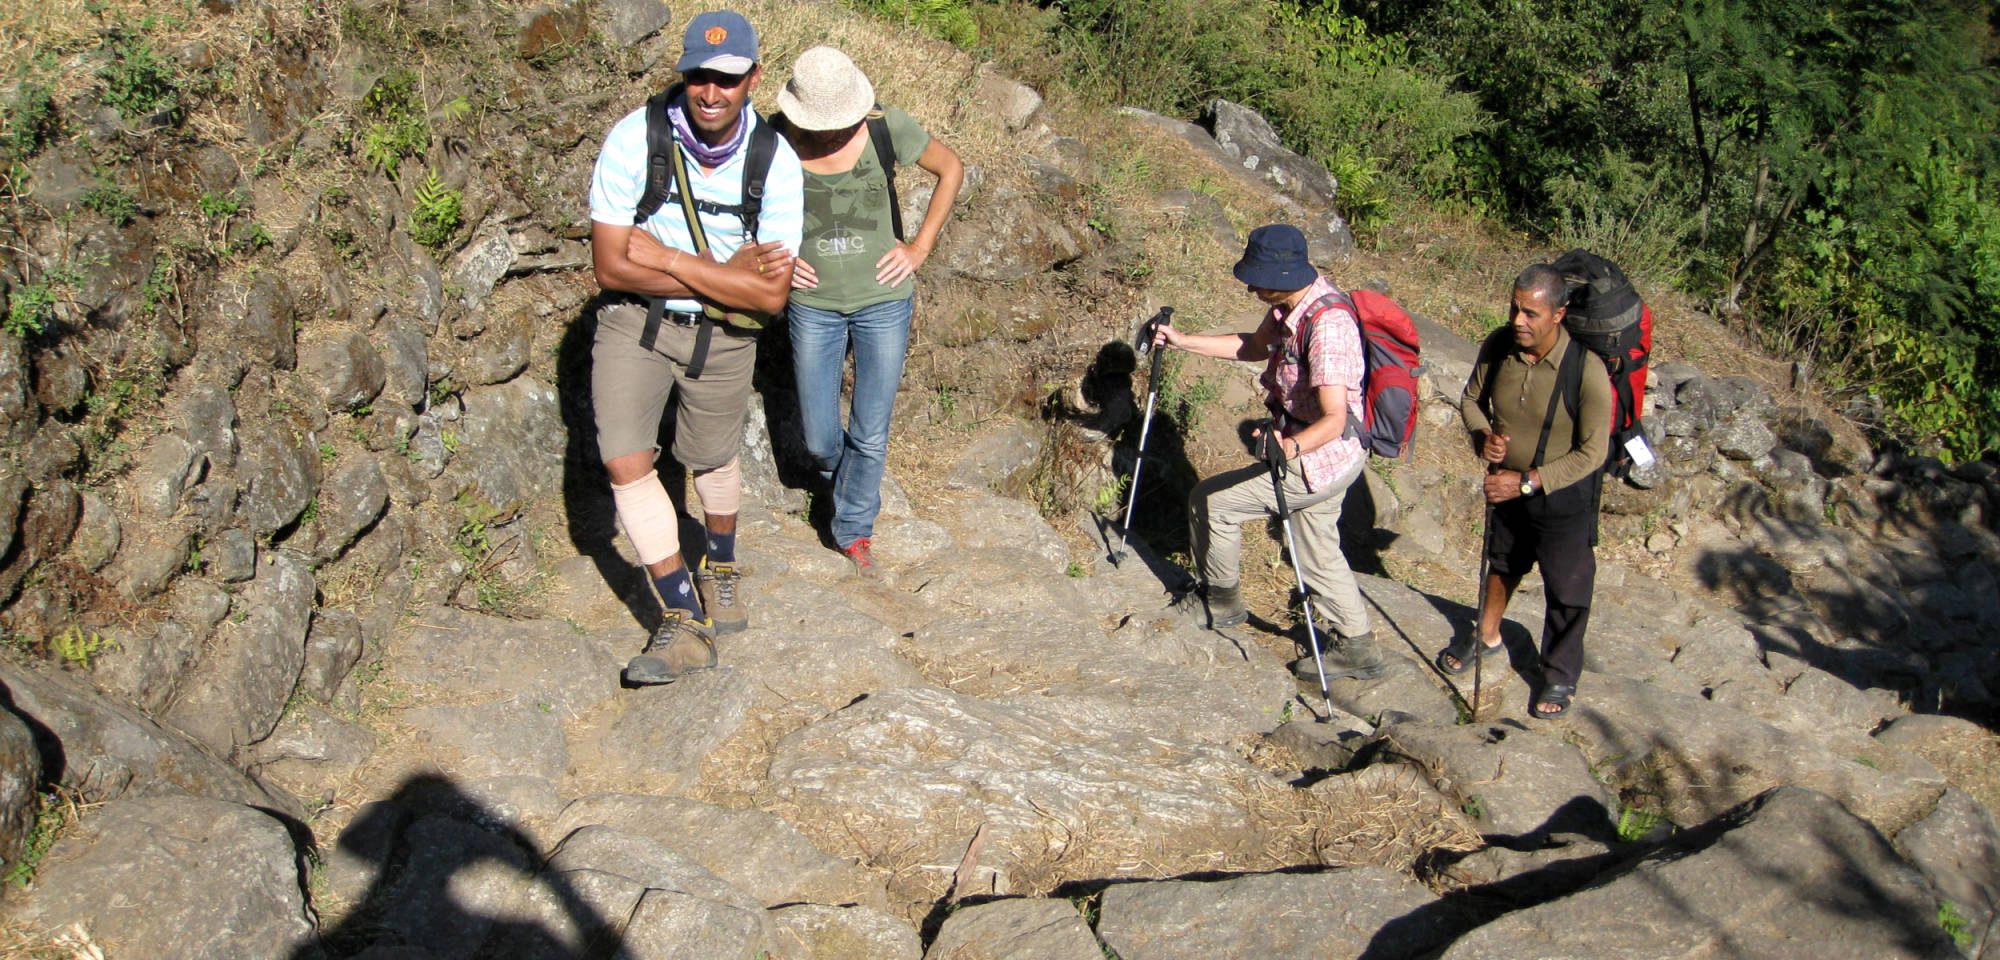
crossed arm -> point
(757, 277)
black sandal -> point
(1462, 651)
(1557, 695)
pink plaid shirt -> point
(1335, 360)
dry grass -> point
(18, 941)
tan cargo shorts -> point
(629, 388)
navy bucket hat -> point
(1275, 259)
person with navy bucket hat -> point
(1310, 344)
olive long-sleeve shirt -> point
(1520, 399)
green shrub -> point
(28, 123)
(218, 206)
(438, 212)
(117, 206)
(29, 309)
(948, 20)
(400, 129)
(137, 82)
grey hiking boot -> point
(682, 645)
(1356, 658)
(1212, 607)
(720, 585)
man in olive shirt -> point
(1545, 454)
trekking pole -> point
(1274, 454)
(1165, 318)
(1479, 614)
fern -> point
(438, 212)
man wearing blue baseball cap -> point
(696, 210)
(1310, 343)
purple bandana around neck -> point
(704, 154)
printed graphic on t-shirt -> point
(841, 229)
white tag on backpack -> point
(1640, 451)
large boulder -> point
(173, 878)
(1788, 876)
(753, 851)
(103, 749)
(1338, 913)
(237, 690)
(1015, 930)
(512, 440)
(927, 765)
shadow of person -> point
(449, 877)
(587, 505)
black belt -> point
(656, 312)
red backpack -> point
(1388, 425)
(1607, 317)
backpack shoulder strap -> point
(660, 151)
(756, 168)
(1569, 377)
(885, 154)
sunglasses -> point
(714, 78)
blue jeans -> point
(851, 459)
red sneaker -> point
(864, 561)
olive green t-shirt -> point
(848, 228)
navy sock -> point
(677, 589)
(722, 547)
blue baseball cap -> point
(719, 40)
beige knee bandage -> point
(647, 516)
(720, 489)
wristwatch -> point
(1527, 485)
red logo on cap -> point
(715, 35)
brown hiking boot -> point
(682, 645)
(1358, 658)
(719, 585)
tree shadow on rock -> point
(449, 876)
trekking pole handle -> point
(1165, 318)
(1270, 445)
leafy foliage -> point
(118, 206)
(438, 212)
(948, 20)
(400, 129)
(138, 83)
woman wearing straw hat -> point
(852, 286)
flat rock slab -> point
(663, 732)
(645, 861)
(807, 642)
(1126, 679)
(1016, 930)
(1711, 757)
(1337, 913)
(825, 932)
(1958, 848)
(1516, 783)
(752, 850)
(1788, 876)
(527, 661)
(492, 739)
(923, 767)
(174, 877)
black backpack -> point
(661, 150)
(1607, 317)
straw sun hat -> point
(826, 91)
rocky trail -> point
(315, 611)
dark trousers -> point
(1554, 530)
